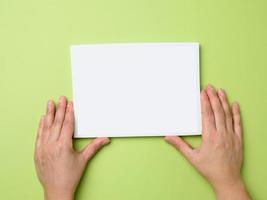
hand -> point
(219, 157)
(59, 167)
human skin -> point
(59, 167)
(219, 157)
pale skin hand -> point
(219, 157)
(59, 167)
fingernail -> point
(166, 139)
(61, 99)
(236, 104)
(70, 104)
(221, 92)
(42, 120)
(210, 87)
(203, 92)
(49, 103)
(107, 140)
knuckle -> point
(94, 147)
(238, 117)
(210, 114)
(218, 107)
(228, 115)
(49, 111)
(217, 104)
(66, 121)
(57, 121)
(224, 100)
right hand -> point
(219, 157)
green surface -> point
(35, 37)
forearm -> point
(236, 191)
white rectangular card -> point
(136, 89)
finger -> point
(68, 124)
(50, 114)
(217, 108)
(208, 120)
(225, 105)
(181, 146)
(40, 129)
(90, 150)
(59, 118)
(237, 119)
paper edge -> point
(193, 133)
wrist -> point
(226, 184)
(231, 190)
(54, 195)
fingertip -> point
(204, 95)
(222, 97)
(94, 146)
(50, 106)
(41, 122)
(100, 141)
(235, 107)
(165, 138)
(59, 118)
(209, 87)
(70, 106)
(49, 102)
(62, 105)
(62, 97)
(69, 112)
(236, 104)
(104, 140)
(210, 91)
(221, 92)
(62, 100)
(41, 127)
(42, 119)
(237, 118)
(170, 139)
(50, 112)
(67, 130)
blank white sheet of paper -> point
(136, 89)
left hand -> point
(59, 167)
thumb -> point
(181, 146)
(90, 150)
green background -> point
(35, 39)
